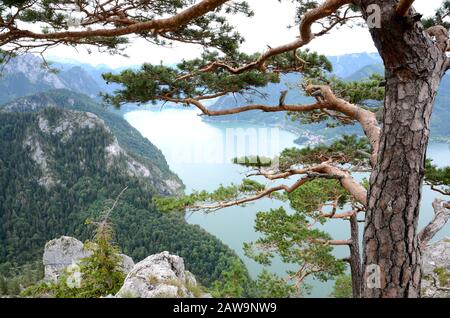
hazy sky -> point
(267, 27)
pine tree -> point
(414, 57)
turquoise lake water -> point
(200, 153)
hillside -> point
(60, 167)
(138, 147)
(366, 72)
(346, 64)
(26, 74)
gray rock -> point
(127, 263)
(436, 270)
(66, 251)
(61, 253)
(160, 276)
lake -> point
(200, 153)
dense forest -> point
(83, 185)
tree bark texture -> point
(414, 65)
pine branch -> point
(403, 7)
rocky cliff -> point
(164, 275)
(157, 276)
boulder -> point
(160, 276)
(66, 251)
(61, 253)
(436, 270)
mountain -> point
(129, 139)
(366, 72)
(26, 74)
(345, 65)
(270, 95)
(94, 72)
(61, 166)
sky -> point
(267, 27)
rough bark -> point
(414, 65)
(355, 257)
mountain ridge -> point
(128, 138)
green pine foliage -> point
(221, 194)
(157, 82)
(348, 149)
(291, 237)
(233, 282)
(210, 30)
(101, 274)
(440, 17)
(308, 198)
(438, 178)
(342, 287)
(269, 285)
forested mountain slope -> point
(138, 147)
(60, 167)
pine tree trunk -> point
(414, 65)
(355, 257)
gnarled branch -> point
(326, 100)
(403, 7)
(306, 36)
(366, 118)
(323, 170)
(441, 215)
(440, 33)
(155, 26)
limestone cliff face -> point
(436, 270)
(127, 149)
(26, 74)
(70, 124)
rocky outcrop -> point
(65, 251)
(436, 270)
(160, 276)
